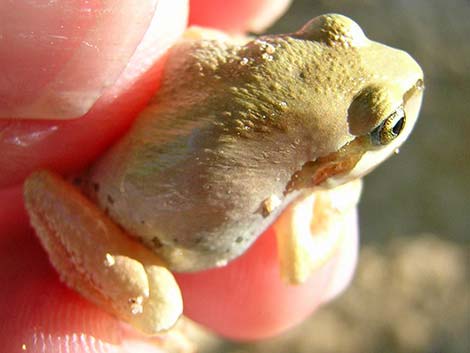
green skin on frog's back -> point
(235, 124)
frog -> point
(242, 135)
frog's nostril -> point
(420, 84)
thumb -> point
(69, 58)
(63, 55)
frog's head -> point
(380, 94)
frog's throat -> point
(315, 173)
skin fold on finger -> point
(67, 146)
(236, 16)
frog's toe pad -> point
(96, 258)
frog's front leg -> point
(312, 228)
(95, 257)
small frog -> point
(238, 136)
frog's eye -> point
(374, 107)
(390, 128)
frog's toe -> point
(96, 258)
(311, 230)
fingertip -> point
(236, 16)
(345, 265)
(68, 146)
(248, 300)
(73, 51)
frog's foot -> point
(96, 258)
(312, 229)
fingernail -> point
(57, 57)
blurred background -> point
(411, 292)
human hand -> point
(41, 313)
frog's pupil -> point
(398, 126)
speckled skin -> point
(231, 126)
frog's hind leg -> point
(95, 257)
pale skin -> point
(278, 130)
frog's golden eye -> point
(390, 128)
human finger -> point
(236, 16)
(67, 146)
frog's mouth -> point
(317, 173)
